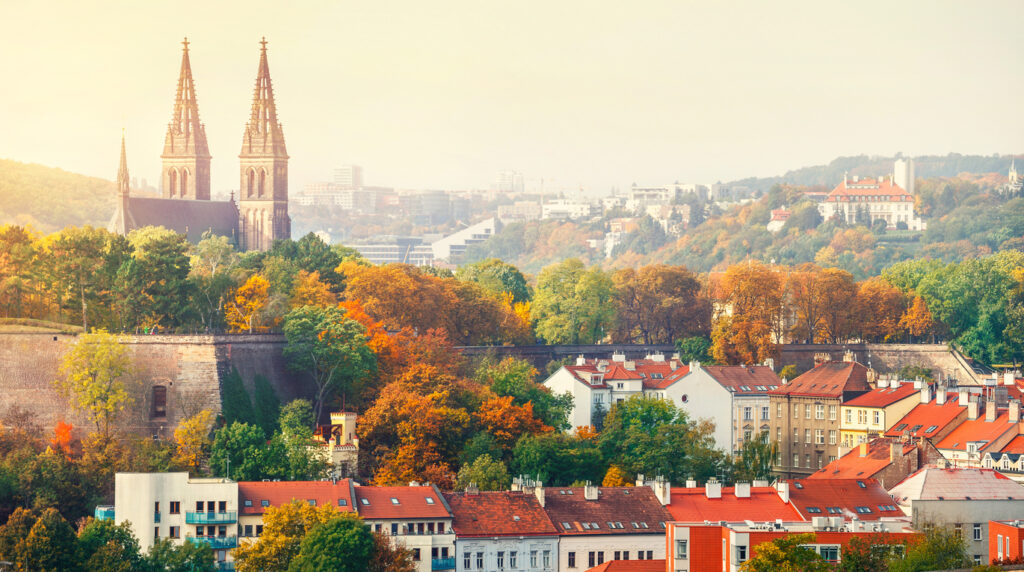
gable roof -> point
(654, 374)
(253, 494)
(830, 379)
(742, 379)
(933, 483)
(928, 419)
(1016, 445)
(884, 396)
(979, 431)
(861, 498)
(189, 217)
(855, 465)
(498, 513)
(764, 504)
(414, 501)
(880, 187)
(621, 506)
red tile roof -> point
(744, 379)
(621, 506)
(277, 493)
(855, 466)
(830, 379)
(498, 513)
(869, 187)
(1016, 445)
(764, 504)
(423, 501)
(630, 566)
(863, 498)
(928, 419)
(884, 396)
(654, 374)
(977, 430)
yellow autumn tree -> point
(917, 321)
(93, 377)
(284, 527)
(310, 290)
(244, 308)
(615, 477)
(193, 439)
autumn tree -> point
(879, 307)
(309, 290)
(917, 320)
(750, 331)
(51, 545)
(838, 302)
(518, 378)
(572, 305)
(388, 557)
(93, 374)
(616, 477)
(331, 348)
(192, 437)
(19, 279)
(659, 304)
(507, 422)
(284, 528)
(211, 261)
(244, 309)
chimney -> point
(581, 360)
(972, 410)
(926, 393)
(663, 490)
(658, 357)
(964, 398)
(883, 382)
(1014, 411)
(742, 490)
(517, 484)
(770, 362)
(590, 491)
(863, 450)
(620, 357)
(472, 489)
(940, 395)
(673, 364)
(640, 482)
(1008, 378)
(539, 492)
(918, 383)
(759, 483)
(713, 488)
(990, 410)
(691, 484)
(848, 357)
(783, 488)
(895, 451)
(694, 366)
(821, 357)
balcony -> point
(443, 563)
(227, 517)
(104, 513)
(215, 542)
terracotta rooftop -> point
(927, 419)
(881, 187)
(764, 504)
(860, 464)
(861, 498)
(654, 374)
(630, 566)
(830, 379)
(933, 483)
(1016, 445)
(423, 501)
(255, 496)
(744, 379)
(617, 510)
(498, 513)
(884, 396)
(978, 431)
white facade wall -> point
(607, 544)
(425, 543)
(563, 381)
(531, 553)
(706, 399)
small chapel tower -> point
(263, 194)
(186, 156)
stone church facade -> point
(260, 215)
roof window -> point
(931, 428)
(342, 502)
(813, 510)
(312, 502)
(365, 501)
(901, 427)
(864, 509)
(861, 484)
(644, 525)
(566, 526)
(798, 484)
(394, 500)
(248, 502)
(430, 500)
(834, 510)
(264, 503)
(586, 526)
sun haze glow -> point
(446, 94)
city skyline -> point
(447, 97)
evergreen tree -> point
(266, 405)
(235, 404)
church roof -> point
(188, 217)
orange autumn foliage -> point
(61, 441)
(506, 422)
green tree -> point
(163, 271)
(241, 451)
(695, 348)
(51, 545)
(496, 277)
(572, 305)
(103, 545)
(487, 473)
(167, 555)
(235, 404)
(786, 554)
(342, 544)
(331, 348)
(518, 378)
(558, 459)
(942, 549)
(266, 405)
(93, 372)
(303, 459)
(211, 261)
(756, 457)
(83, 262)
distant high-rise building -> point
(903, 174)
(349, 177)
(509, 182)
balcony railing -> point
(104, 513)
(443, 563)
(227, 517)
(215, 542)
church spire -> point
(186, 156)
(263, 133)
(122, 171)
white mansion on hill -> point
(890, 199)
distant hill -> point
(927, 166)
(50, 199)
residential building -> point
(933, 420)
(964, 499)
(597, 384)
(255, 497)
(805, 415)
(598, 524)
(968, 443)
(630, 566)
(864, 201)
(497, 530)
(397, 250)
(724, 547)
(778, 220)
(1009, 460)
(417, 516)
(863, 499)
(452, 247)
(734, 397)
(519, 211)
(742, 502)
(176, 507)
(508, 182)
(565, 209)
(872, 414)
(349, 177)
(888, 460)
(1005, 541)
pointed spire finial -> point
(185, 43)
(122, 171)
(263, 44)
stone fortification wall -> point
(191, 368)
(884, 358)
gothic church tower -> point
(186, 156)
(263, 195)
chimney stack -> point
(926, 393)
(895, 451)
(581, 360)
(1014, 411)
(713, 489)
(590, 491)
(990, 410)
(742, 490)
(1008, 378)
(538, 490)
(863, 452)
(972, 409)
(964, 398)
(883, 382)
(783, 488)
(691, 484)
(848, 357)
(940, 395)
(663, 490)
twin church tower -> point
(261, 213)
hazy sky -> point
(446, 94)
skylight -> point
(861, 484)
(566, 526)
(342, 502)
(864, 509)
(835, 510)
(931, 428)
(394, 500)
(430, 500)
(813, 510)
(365, 501)
(901, 427)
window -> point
(796, 459)
(342, 502)
(222, 531)
(832, 412)
(159, 401)
(796, 435)
(175, 507)
(807, 411)
(222, 506)
(813, 510)
(819, 411)
(365, 501)
(394, 500)
(572, 559)
(247, 503)
(394, 529)
(741, 554)
(600, 557)
(533, 559)
(829, 553)
(862, 416)
(977, 531)
(547, 558)
(778, 410)
(764, 413)
(480, 560)
(175, 532)
(430, 528)
(834, 510)
(592, 559)
(931, 428)
(864, 510)
(199, 506)
(849, 415)
(312, 502)
(831, 437)
(807, 460)
(430, 500)
(247, 531)
(681, 549)
(877, 417)
(566, 526)
(618, 555)
(778, 434)
(748, 415)
(819, 436)
(807, 436)
(796, 410)
(501, 559)
(259, 529)
(467, 561)
(650, 555)
(264, 503)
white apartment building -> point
(734, 397)
(865, 201)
